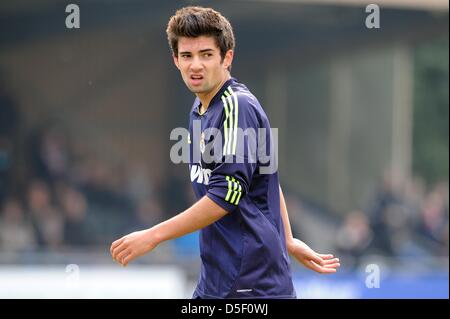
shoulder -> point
(241, 101)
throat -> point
(205, 98)
(202, 109)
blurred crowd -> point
(406, 219)
(55, 194)
(73, 199)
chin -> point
(196, 89)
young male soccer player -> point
(245, 231)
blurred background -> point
(86, 114)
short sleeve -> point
(232, 176)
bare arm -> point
(286, 222)
(322, 263)
(198, 216)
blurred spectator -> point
(74, 207)
(110, 207)
(47, 221)
(50, 154)
(434, 221)
(16, 232)
(407, 222)
(149, 212)
(5, 166)
(295, 211)
(9, 116)
(174, 194)
(353, 238)
(137, 185)
(55, 153)
(9, 119)
(414, 192)
(386, 197)
(398, 222)
(99, 185)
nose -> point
(196, 64)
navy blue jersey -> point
(244, 253)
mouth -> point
(196, 79)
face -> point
(199, 62)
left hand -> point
(321, 263)
(132, 246)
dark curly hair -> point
(193, 22)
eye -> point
(207, 55)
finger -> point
(317, 259)
(324, 262)
(115, 244)
(320, 269)
(326, 271)
(127, 259)
(326, 256)
(118, 250)
(122, 255)
(335, 265)
(312, 265)
(330, 261)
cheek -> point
(184, 71)
(213, 70)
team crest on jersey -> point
(202, 143)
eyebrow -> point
(201, 51)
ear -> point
(175, 60)
(228, 59)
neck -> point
(205, 98)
